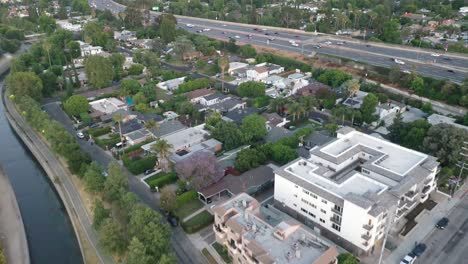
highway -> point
(442, 66)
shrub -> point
(108, 142)
(99, 131)
(197, 222)
(161, 179)
(137, 146)
(186, 197)
(140, 165)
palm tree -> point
(47, 46)
(295, 109)
(223, 63)
(151, 124)
(278, 104)
(118, 118)
(163, 148)
(353, 87)
(308, 103)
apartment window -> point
(338, 208)
(324, 201)
(313, 195)
(295, 195)
(365, 171)
(321, 220)
(313, 206)
(304, 210)
(336, 227)
(323, 211)
(295, 186)
(305, 191)
(311, 214)
(295, 205)
(304, 201)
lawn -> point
(222, 251)
(187, 209)
(161, 179)
(198, 222)
(208, 256)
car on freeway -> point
(276, 33)
(190, 25)
(328, 42)
(297, 36)
(397, 61)
(317, 46)
(80, 134)
(271, 39)
(367, 45)
(294, 44)
(339, 43)
(409, 259)
(451, 71)
(419, 249)
(148, 172)
(224, 25)
(267, 34)
(237, 37)
(446, 58)
(435, 55)
(206, 29)
(406, 71)
(255, 29)
(442, 223)
(199, 31)
(224, 32)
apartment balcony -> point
(336, 211)
(366, 237)
(366, 244)
(427, 181)
(335, 220)
(427, 189)
(410, 205)
(368, 227)
(411, 195)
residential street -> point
(449, 246)
(185, 251)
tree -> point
(253, 128)
(248, 51)
(395, 74)
(353, 87)
(116, 183)
(46, 24)
(427, 108)
(308, 103)
(183, 46)
(25, 83)
(75, 105)
(228, 134)
(167, 29)
(223, 64)
(251, 89)
(368, 108)
(94, 34)
(135, 69)
(133, 17)
(347, 258)
(199, 169)
(112, 237)
(391, 32)
(49, 82)
(410, 135)
(137, 253)
(282, 154)
(74, 49)
(117, 61)
(130, 87)
(163, 150)
(167, 200)
(94, 179)
(118, 118)
(99, 71)
(295, 109)
(100, 214)
(445, 142)
(249, 158)
(333, 77)
(417, 84)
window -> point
(295, 186)
(313, 195)
(338, 208)
(305, 191)
(324, 201)
(336, 227)
(295, 195)
(365, 171)
(304, 210)
(295, 205)
(323, 211)
(313, 206)
(321, 220)
(311, 214)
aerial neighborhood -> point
(325, 132)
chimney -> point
(244, 203)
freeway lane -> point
(377, 54)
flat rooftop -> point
(393, 158)
(263, 228)
(107, 105)
(352, 183)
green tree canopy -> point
(93, 178)
(445, 142)
(167, 200)
(75, 105)
(253, 128)
(100, 214)
(228, 133)
(167, 29)
(25, 83)
(112, 237)
(368, 108)
(116, 183)
(99, 71)
(251, 89)
(248, 51)
(137, 253)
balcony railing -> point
(426, 189)
(335, 220)
(410, 195)
(366, 237)
(368, 227)
(426, 182)
(410, 205)
(337, 211)
(365, 243)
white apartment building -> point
(263, 235)
(88, 50)
(354, 187)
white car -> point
(397, 61)
(328, 42)
(406, 71)
(339, 43)
(206, 29)
(435, 55)
(80, 134)
(190, 25)
(408, 259)
(295, 44)
(237, 37)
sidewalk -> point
(425, 226)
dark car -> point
(368, 45)
(267, 34)
(445, 58)
(276, 33)
(442, 223)
(172, 221)
(95, 125)
(419, 249)
(148, 172)
(451, 71)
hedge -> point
(99, 131)
(140, 165)
(186, 197)
(137, 146)
(108, 142)
(161, 179)
(198, 222)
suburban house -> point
(127, 127)
(88, 50)
(355, 186)
(171, 85)
(125, 35)
(277, 133)
(195, 96)
(274, 120)
(261, 71)
(166, 128)
(234, 66)
(65, 24)
(138, 136)
(238, 115)
(436, 119)
(253, 233)
(230, 104)
(213, 98)
(389, 108)
(108, 105)
(313, 88)
(356, 100)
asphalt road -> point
(185, 251)
(449, 246)
(378, 54)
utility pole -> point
(462, 164)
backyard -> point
(187, 209)
(198, 222)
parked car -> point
(228, 170)
(442, 223)
(80, 134)
(148, 172)
(408, 259)
(95, 125)
(419, 249)
(172, 220)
